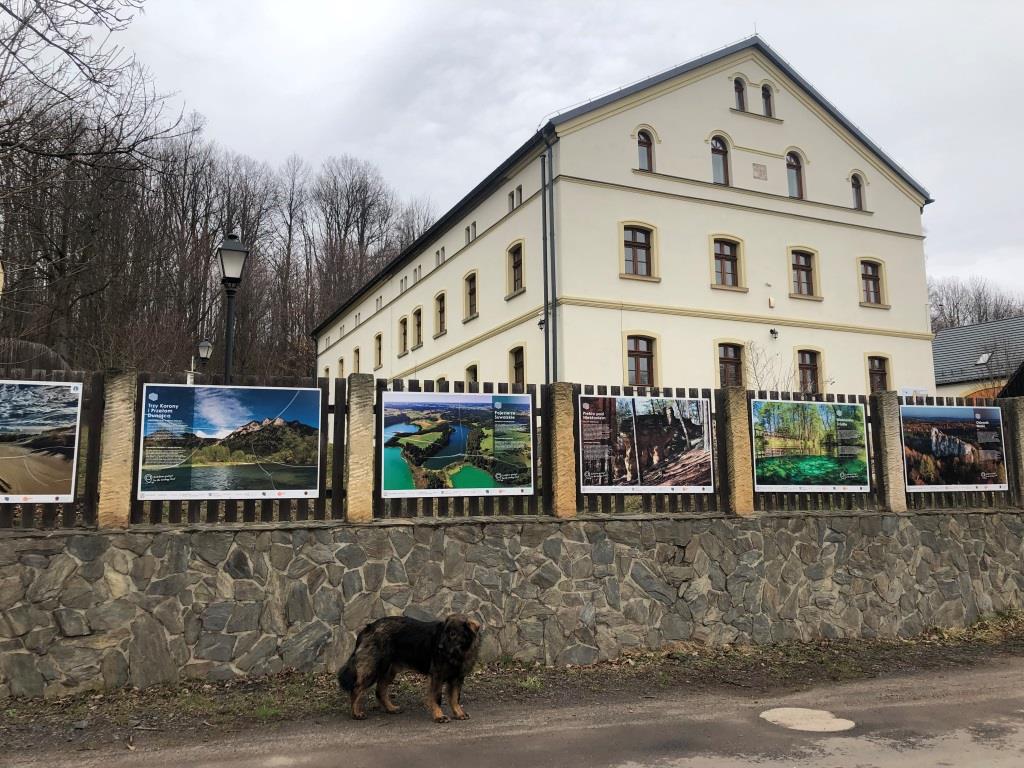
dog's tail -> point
(347, 675)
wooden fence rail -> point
(330, 504)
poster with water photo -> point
(953, 448)
(810, 447)
(39, 434)
(453, 444)
(221, 442)
(645, 444)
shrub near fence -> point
(347, 480)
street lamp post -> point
(232, 262)
(205, 349)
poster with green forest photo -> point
(810, 447)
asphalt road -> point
(966, 717)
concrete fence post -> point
(360, 466)
(739, 468)
(889, 451)
(563, 450)
(117, 450)
(1013, 434)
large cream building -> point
(717, 222)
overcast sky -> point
(438, 93)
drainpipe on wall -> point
(544, 241)
(554, 260)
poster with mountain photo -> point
(453, 444)
(39, 433)
(645, 444)
(225, 442)
(953, 448)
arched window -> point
(378, 351)
(517, 366)
(417, 328)
(795, 175)
(636, 242)
(515, 269)
(766, 101)
(857, 186)
(741, 94)
(355, 360)
(640, 361)
(810, 373)
(645, 149)
(440, 315)
(470, 297)
(403, 336)
(730, 365)
(719, 160)
(471, 374)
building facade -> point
(719, 223)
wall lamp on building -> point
(774, 333)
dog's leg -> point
(455, 698)
(434, 701)
(383, 695)
(358, 713)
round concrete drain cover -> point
(799, 719)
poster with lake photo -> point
(953, 448)
(452, 444)
(810, 447)
(645, 444)
(39, 433)
(206, 442)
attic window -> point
(985, 357)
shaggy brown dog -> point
(444, 651)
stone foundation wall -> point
(107, 609)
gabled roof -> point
(957, 351)
(535, 142)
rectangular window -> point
(810, 380)
(640, 359)
(871, 280)
(378, 351)
(803, 273)
(730, 365)
(637, 250)
(519, 195)
(470, 296)
(511, 201)
(515, 268)
(439, 315)
(467, 236)
(727, 263)
(417, 328)
(517, 366)
(355, 360)
(878, 374)
(357, 318)
(341, 367)
(380, 302)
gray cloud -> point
(438, 93)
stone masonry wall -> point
(107, 609)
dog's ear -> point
(474, 625)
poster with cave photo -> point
(645, 444)
(221, 442)
(39, 434)
(810, 447)
(953, 448)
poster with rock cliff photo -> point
(39, 433)
(213, 442)
(953, 448)
(644, 444)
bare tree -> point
(955, 302)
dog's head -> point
(459, 633)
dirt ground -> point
(194, 712)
